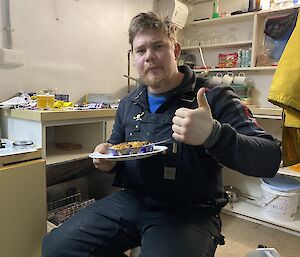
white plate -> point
(157, 149)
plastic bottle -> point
(249, 56)
(243, 59)
(257, 5)
(251, 6)
(215, 13)
(239, 61)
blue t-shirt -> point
(156, 100)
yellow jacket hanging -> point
(285, 92)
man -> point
(169, 203)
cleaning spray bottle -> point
(215, 13)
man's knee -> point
(53, 245)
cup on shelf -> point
(227, 78)
(217, 79)
(240, 79)
(45, 99)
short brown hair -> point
(151, 20)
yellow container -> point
(45, 101)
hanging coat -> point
(285, 92)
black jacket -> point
(243, 145)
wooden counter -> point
(59, 114)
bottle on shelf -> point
(257, 5)
(244, 58)
(251, 6)
(215, 13)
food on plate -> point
(132, 147)
(119, 149)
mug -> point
(240, 79)
(45, 99)
(227, 78)
(217, 79)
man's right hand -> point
(103, 164)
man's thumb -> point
(201, 99)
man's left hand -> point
(193, 126)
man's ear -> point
(177, 50)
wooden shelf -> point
(21, 157)
(56, 156)
(227, 19)
(58, 115)
(220, 45)
(253, 212)
(263, 68)
(272, 13)
(264, 112)
(244, 16)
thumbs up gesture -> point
(193, 126)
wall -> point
(77, 46)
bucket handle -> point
(270, 200)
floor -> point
(243, 236)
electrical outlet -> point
(11, 58)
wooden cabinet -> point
(23, 205)
(47, 129)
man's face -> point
(155, 58)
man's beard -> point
(153, 81)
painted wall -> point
(76, 46)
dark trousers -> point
(121, 221)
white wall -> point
(79, 46)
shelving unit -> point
(86, 128)
(249, 33)
(253, 22)
(255, 214)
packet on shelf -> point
(228, 60)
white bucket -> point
(281, 206)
